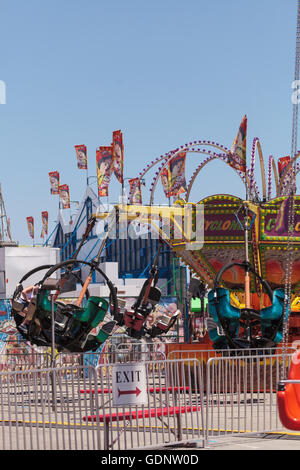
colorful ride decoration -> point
(268, 237)
(247, 240)
(288, 396)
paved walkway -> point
(267, 442)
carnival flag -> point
(8, 229)
(30, 225)
(118, 155)
(104, 158)
(64, 195)
(165, 181)
(54, 182)
(237, 154)
(81, 153)
(44, 224)
(282, 163)
(135, 192)
(176, 175)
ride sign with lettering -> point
(129, 384)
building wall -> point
(18, 261)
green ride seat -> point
(44, 302)
(94, 311)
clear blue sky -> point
(166, 72)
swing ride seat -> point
(269, 319)
(71, 326)
(272, 315)
(93, 313)
(227, 311)
(72, 321)
(288, 397)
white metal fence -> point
(241, 394)
(73, 408)
(190, 398)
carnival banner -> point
(165, 181)
(237, 154)
(282, 163)
(278, 225)
(64, 195)
(54, 182)
(118, 155)
(104, 158)
(81, 153)
(176, 175)
(30, 225)
(8, 229)
(44, 224)
(135, 192)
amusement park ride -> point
(248, 264)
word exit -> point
(129, 384)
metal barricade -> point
(74, 408)
(135, 404)
(241, 394)
(43, 410)
(10, 362)
(138, 350)
(171, 410)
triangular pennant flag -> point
(237, 154)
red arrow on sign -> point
(135, 392)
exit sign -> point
(129, 384)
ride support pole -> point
(83, 291)
(52, 372)
(247, 291)
(247, 274)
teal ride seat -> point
(225, 308)
(271, 316)
(219, 341)
(228, 313)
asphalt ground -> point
(265, 442)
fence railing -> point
(241, 394)
(137, 402)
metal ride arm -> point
(95, 262)
(148, 298)
(89, 228)
(134, 318)
(246, 228)
(153, 276)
